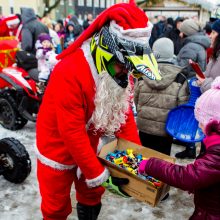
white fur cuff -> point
(98, 180)
(139, 35)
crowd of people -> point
(89, 96)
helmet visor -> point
(118, 72)
(139, 58)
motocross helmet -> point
(119, 56)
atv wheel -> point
(14, 160)
(10, 118)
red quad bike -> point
(15, 164)
(19, 100)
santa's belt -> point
(51, 163)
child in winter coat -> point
(46, 59)
(203, 176)
(154, 99)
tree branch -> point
(50, 8)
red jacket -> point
(201, 178)
(62, 138)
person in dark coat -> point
(88, 21)
(31, 29)
(70, 34)
(203, 176)
(78, 28)
(158, 30)
(173, 34)
(194, 47)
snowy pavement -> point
(22, 201)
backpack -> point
(26, 60)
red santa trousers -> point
(55, 186)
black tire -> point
(10, 118)
(19, 166)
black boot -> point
(86, 212)
(189, 153)
(165, 197)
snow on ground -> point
(22, 201)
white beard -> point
(111, 105)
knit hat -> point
(163, 49)
(207, 106)
(42, 37)
(125, 19)
(216, 26)
(12, 20)
(189, 27)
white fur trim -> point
(19, 31)
(100, 145)
(51, 163)
(78, 173)
(87, 53)
(138, 35)
(12, 21)
(98, 180)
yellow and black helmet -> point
(107, 48)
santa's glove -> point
(113, 185)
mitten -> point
(113, 185)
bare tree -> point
(49, 7)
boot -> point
(86, 212)
(165, 197)
(189, 153)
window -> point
(89, 3)
(62, 2)
(96, 3)
(102, 3)
(80, 2)
(112, 2)
(11, 10)
(108, 3)
(70, 3)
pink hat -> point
(207, 106)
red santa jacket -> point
(63, 140)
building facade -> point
(8, 7)
(81, 8)
(176, 8)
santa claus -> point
(88, 97)
(11, 26)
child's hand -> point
(141, 169)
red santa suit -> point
(64, 141)
(5, 25)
